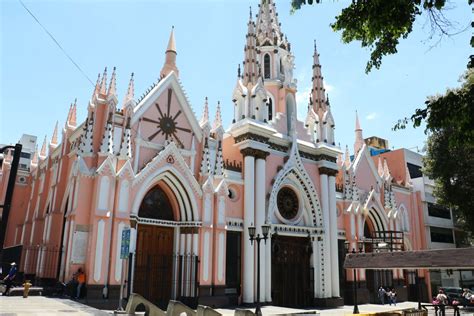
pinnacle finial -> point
(54, 139)
(250, 11)
(130, 91)
(113, 84)
(43, 148)
(103, 84)
(357, 124)
(238, 71)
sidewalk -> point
(39, 305)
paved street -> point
(37, 305)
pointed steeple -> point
(170, 59)
(130, 92)
(42, 154)
(218, 119)
(126, 146)
(107, 145)
(318, 93)
(251, 68)
(87, 137)
(73, 115)
(347, 158)
(34, 160)
(54, 139)
(219, 168)
(359, 139)
(103, 83)
(268, 28)
(205, 163)
(96, 88)
(205, 113)
(112, 91)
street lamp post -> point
(257, 238)
(356, 307)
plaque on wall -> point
(79, 246)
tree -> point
(450, 148)
(380, 24)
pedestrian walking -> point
(393, 297)
(10, 277)
(381, 294)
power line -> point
(57, 43)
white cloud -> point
(371, 116)
(328, 87)
(302, 99)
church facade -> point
(189, 189)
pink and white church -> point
(190, 188)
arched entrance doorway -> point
(292, 281)
(373, 229)
(153, 275)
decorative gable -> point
(166, 114)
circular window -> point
(232, 194)
(287, 203)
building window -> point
(25, 155)
(270, 109)
(438, 211)
(266, 66)
(414, 170)
(444, 235)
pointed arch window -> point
(266, 66)
(270, 109)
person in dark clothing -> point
(10, 277)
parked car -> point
(453, 293)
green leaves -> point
(378, 24)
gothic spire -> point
(96, 88)
(219, 168)
(43, 149)
(112, 91)
(359, 139)
(205, 163)
(130, 92)
(126, 146)
(218, 119)
(107, 145)
(205, 113)
(103, 83)
(54, 139)
(73, 115)
(34, 160)
(347, 158)
(318, 93)
(170, 59)
(268, 28)
(251, 70)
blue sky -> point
(38, 82)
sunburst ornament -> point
(167, 124)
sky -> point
(38, 82)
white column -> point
(268, 270)
(326, 227)
(249, 197)
(333, 236)
(259, 221)
(176, 241)
(316, 258)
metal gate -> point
(292, 275)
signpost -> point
(124, 254)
